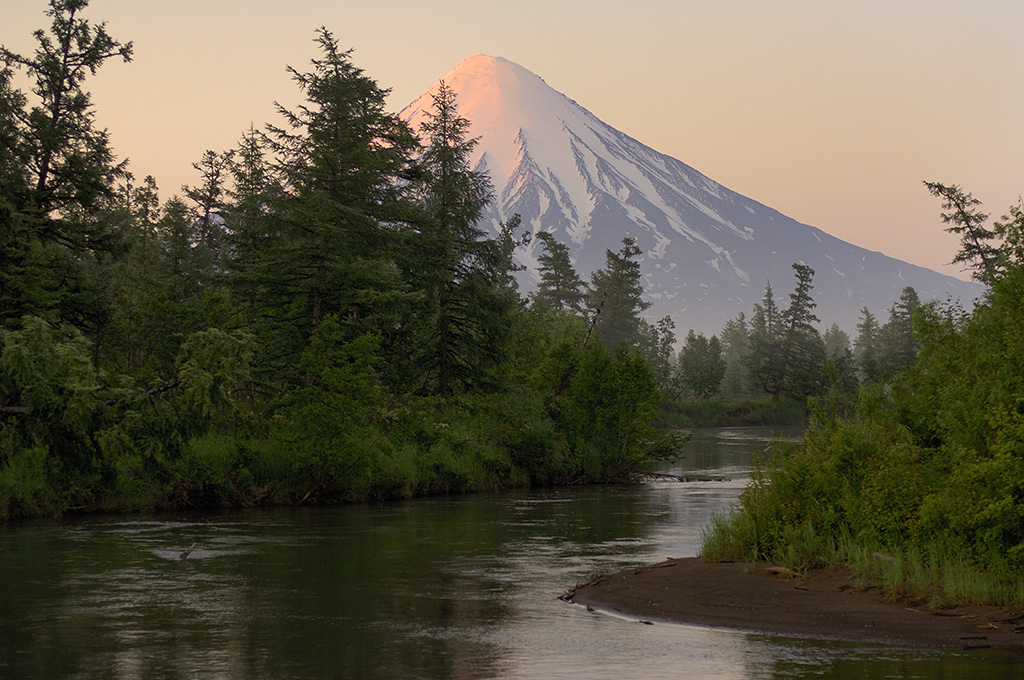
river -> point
(462, 587)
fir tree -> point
(210, 202)
(967, 221)
(462, 275)
(867, 348)
(735, 349)
(560, 287)
(763, 362)
(701, 365)
(803, 352)
(324, 241)
(898, 341)
(616, 298)
(57, 171)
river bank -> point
(821, 604)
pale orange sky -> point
(831, 112)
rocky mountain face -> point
(707, 251)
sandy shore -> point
(822, 604)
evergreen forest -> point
(322, 318)
(917, 484)
(319, 319)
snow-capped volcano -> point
(708, 251)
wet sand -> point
(821, 604)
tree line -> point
(920, 487)
(320, 318)
(777, 354)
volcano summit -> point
(707, 251)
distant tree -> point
(210, 201)
(841, 366)
(867, 348)
(837, 341)
(616, 297)
(701, 365)
(786, 352)
(560, 287)
(898, 341)
(658, 347)
(803, 351)
(764, 357)
(735, 350)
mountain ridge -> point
(708, 251)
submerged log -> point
(184, 555)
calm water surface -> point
(439, 588)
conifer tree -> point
(763, 362)
(616, 297)
(210, 202)
(701, 365)
(867, 348)
(786, 351)
(325, 240)
(803, 352)
(841, 366)
(657, 347)
(56, 170)
(462, 275)
(560, 287)
(967, 221)
(898, 341)
(735, 349)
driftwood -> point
(571, 593)
(184, 555)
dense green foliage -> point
(923, 486)
(319, 319)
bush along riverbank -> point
(323, 317)
(118, 450)
(922, 489)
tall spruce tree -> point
(867, 348)
(735, 348)
(787, 354)
(763, 360)
(898, 341)
(324, 241)
(462, 275)
(617, 298)
(210, 202)
(803, 351)
(57, 171)
(560, 287)
(701, 365)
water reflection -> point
(442, 588)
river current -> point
(461, 587)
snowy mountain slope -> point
(708, 251)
